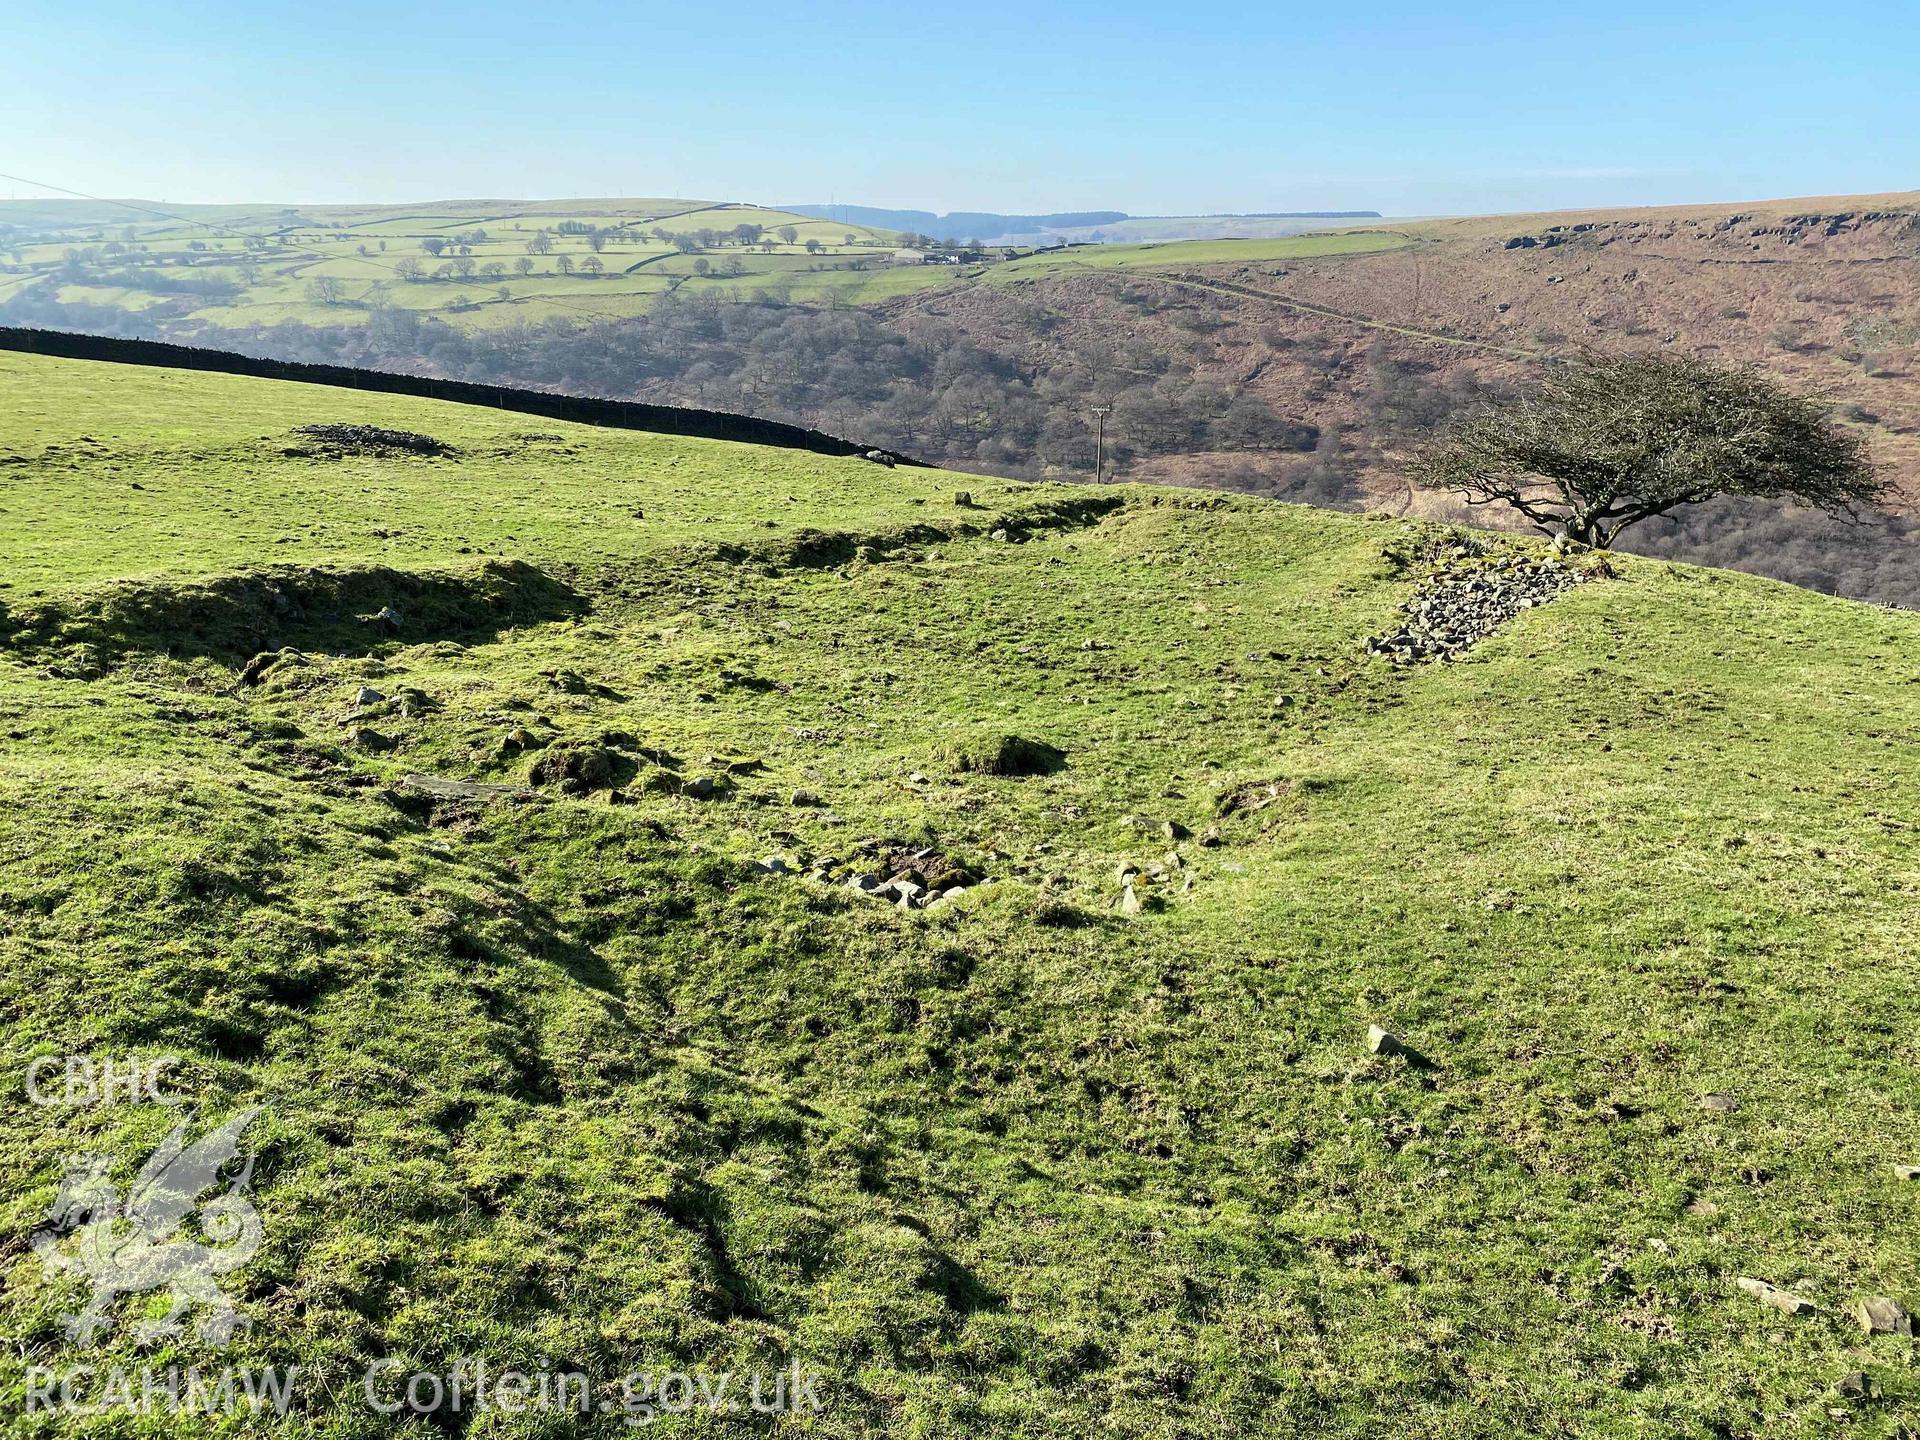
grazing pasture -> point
(1301, 1044)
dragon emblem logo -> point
(141, 1246)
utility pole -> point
(1100, 413)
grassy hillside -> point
(233, 267)
(564, 1072)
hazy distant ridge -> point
(960, 223)
(965, 224)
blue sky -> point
(1138, 105)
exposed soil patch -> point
(1250, 798)
(580, 768)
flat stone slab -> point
(463, 789)
(1784, 1301)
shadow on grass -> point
(342, 610)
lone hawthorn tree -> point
(1605, 442)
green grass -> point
(164, 474)
(565, 1077)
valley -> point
(1302, 366)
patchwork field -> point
(494, 263)
(486, 262)
(608, 1067)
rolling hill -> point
(484, 262)
(495, 803)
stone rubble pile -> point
(897, 874)
(1469, 599)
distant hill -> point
(485, 262)
(997, 228)
(959, 224)
(1260, 358)
(1163, 229)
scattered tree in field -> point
(814, 247)
(433, 245)
(406, 267)
(503, 294)
(702, 265)
(847, 239)
(463, 265)
(593, 265)
(1606, 442)
(523, 266)
(734, 265)
(564, 264)
(541, 243)
(596, 240)
(788, 233)
(493, 270)
(327, 290)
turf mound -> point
(372, 440)
(345, 608)
(1012, 755)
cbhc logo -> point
(82, 1080)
